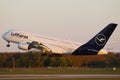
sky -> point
(77, 20)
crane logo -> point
(100, 39)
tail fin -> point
(93, 46)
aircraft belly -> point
(57, 49)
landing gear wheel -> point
(8, 45)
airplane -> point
(28, 41)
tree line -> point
(37, 59)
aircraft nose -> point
(5, 36)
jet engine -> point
(34, 44)
(24, 45)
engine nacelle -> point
(24, 45)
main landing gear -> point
(8, 45)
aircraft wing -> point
(40, 46)
(34, 44)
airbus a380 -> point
(27, 41)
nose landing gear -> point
(8, 45)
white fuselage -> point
(55, 45)
(27, 41)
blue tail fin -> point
(93, 46)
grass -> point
(78, 79)
(59, 71)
